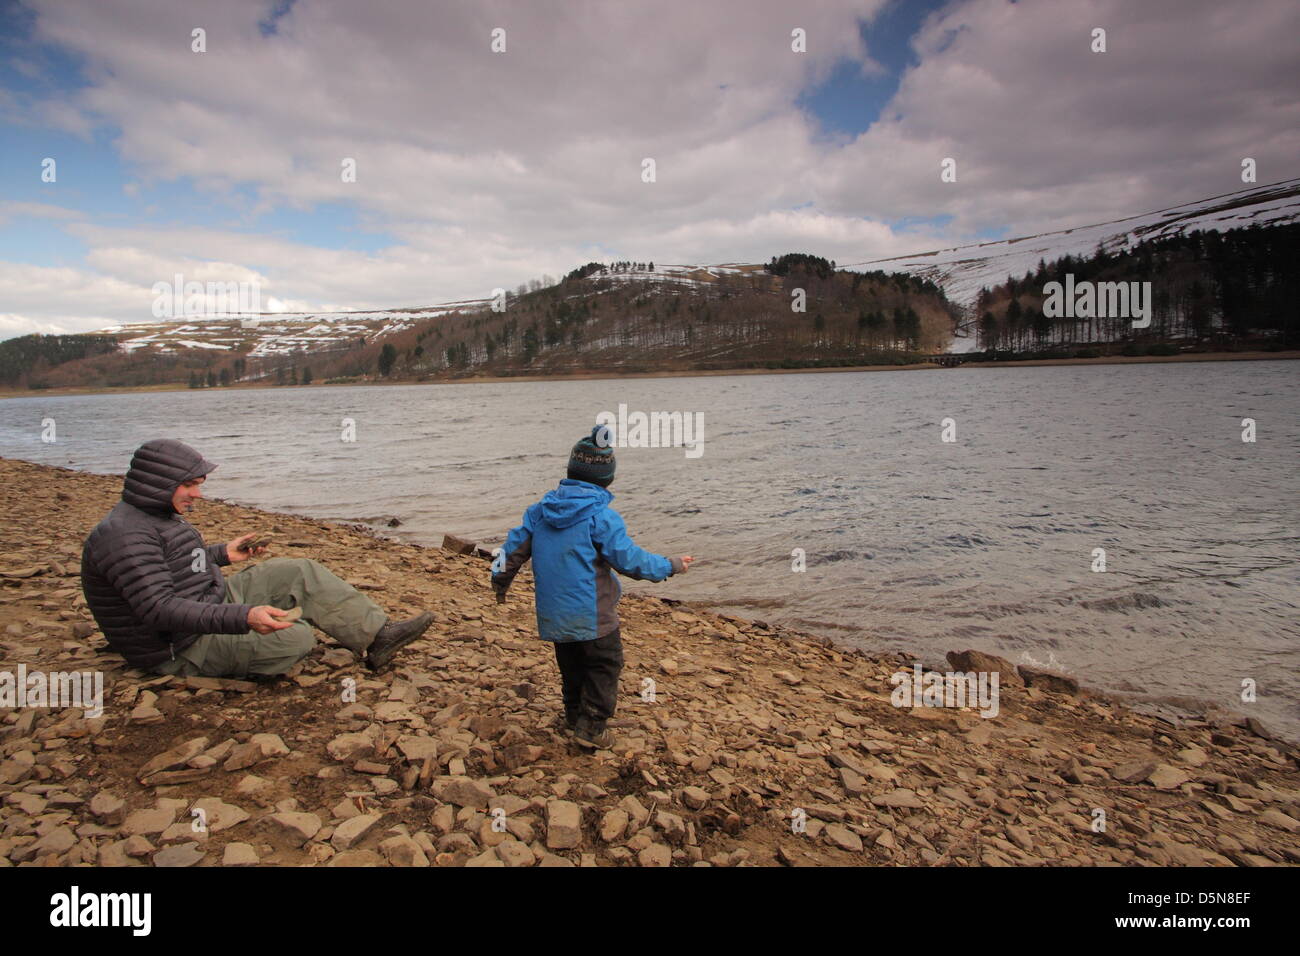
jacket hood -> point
(157, 467)
(572, 502)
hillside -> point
(639, 317)
(619, 317)
(962, 271)
(275, 334)
(249, 348)
(655, 317)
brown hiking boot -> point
(589, 736)
(393, 636)
(565, 724)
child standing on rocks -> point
(577, 543)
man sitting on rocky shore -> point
(159, 597)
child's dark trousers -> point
(589, 671)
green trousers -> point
(327, 601)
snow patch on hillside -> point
(963, 270)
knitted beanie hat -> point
(592, 458)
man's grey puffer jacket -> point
(148, 578)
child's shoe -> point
(565, 724)
(590, 735)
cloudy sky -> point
(477, 169)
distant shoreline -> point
(686, 373)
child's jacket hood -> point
(573, 501)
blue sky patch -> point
(848, 102)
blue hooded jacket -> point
(576, 542)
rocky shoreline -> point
(737, 743)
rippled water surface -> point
(910, 542)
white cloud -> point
(490, 169)
(11, 210)
(62, 299)
(1048, 134)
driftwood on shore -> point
(737, 743)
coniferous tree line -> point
(107, 366)
(27, 358)
(601, 268)
(1209, 289)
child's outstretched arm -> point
(518, 548)
(609, 535)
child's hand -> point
(686, 563)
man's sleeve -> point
(218, 555)
(517, 550)
(135, 567)
(609, 535)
